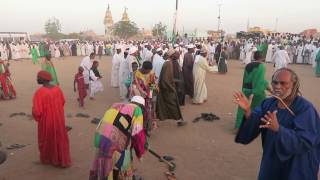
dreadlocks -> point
(296, 84)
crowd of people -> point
(156, 78)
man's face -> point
(118, 51)
(282, 84)
(134, 67)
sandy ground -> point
(203, 150)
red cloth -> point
(7, 84)
(79, 78)
(45, 75)
(48, 111)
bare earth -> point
(203, 150)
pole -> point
(175, 21)
(219, 17)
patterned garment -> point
(143, 85)
(121, 124)
(6, 87)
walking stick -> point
(171, 165)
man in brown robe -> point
(167, 106)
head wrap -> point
(171, 52)
(138, 99)
(45, 75)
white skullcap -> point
(138, 99)
(181, 43)
(133, 49)
(176, 45)
(159, 49)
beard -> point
(285, 95)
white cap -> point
(138, 99)
(133, 49)
(159, 49)
(176, 45)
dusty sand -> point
(203, 150)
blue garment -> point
(293, 152)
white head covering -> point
(133, 49)
(138, 99)
(204, 50)
(159, 49)
(176, 45)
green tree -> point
(53, 28)
(159, 30)
(125, 29)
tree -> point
(53, 28)
(159, 30)
(125, 29)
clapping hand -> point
(271, 121)
(242, 101)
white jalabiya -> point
(200, 69)
(299, 54)
(95, 84)
(86, 63)
(249, 54)
(123, 76)
(148, 55)
(116, 60)
(281, 59)
(56, 52)
(271, 50)
(157, 64)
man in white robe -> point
(281, 59)
(157, 63)
(86, 63)
(299, 53)
(147, 54)
(250, 49)
(116, 60)
(200, 69)
(270, 52)
(211, 51)
(123, 75)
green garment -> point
(263, 48)
(34, 55)
(318, 64)
(41, 49)
(48, 66)
(253, 83)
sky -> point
(201, 15)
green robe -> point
(318, 64)
(34, 55)
(48, 66)
(263, 48)
(41, 49)
(253, 83)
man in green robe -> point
(47, 65)
(318, 64)
(34, 54)
(254, 83)
(41, 49)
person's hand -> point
(241, 100)
(271, 121)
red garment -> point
(48, 111)
(6, 84)
(79, 78)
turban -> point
(171, 52)
(45, 75)
(138, 99)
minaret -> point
(125, 16)
(108, 23)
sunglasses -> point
(282, 83)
